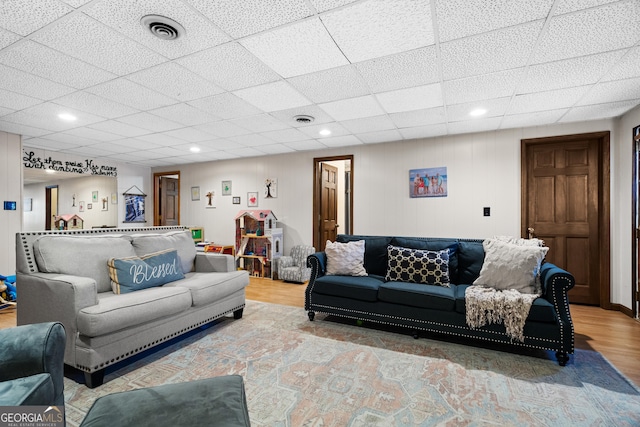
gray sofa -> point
(63, 276)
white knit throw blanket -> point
(487, 305)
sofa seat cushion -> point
(31, 390)
(207, 288)
(115, 312)
(364, 288)
(418, 295)
(541, 309)
(179, 240)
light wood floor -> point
(611, 333)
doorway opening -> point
(332, 198)
(166, 198)
(635, 250)
(51, 206)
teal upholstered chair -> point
(294, 268)
(32, 365)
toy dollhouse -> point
(68, 222)
(258, 242)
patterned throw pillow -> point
(345, 259)
(418, 266)
(135, 273)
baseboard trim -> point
(622, 309)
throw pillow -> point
(511, 266)
(418, 266)
(135, 273)
(520, 240)
(345, 259)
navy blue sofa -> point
(435, 308)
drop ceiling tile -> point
(20, 129)
(166, 152)
(380, 136)
(4, 111)
(94, 134)
(301, 48)
(373, 28)
(27, 84)
(477, 88)
(124, 16)
(128, 145)
(590, 31)
(175, 81)
(330, 85)
(568, 73)
(413, 68)
(599, 111)
(24, 17)
(45, 116)
(286, 135)
(310, 144)
(617, 90)
(489, 52)
(273, 96)
(224, 155)
(76, 3)
(287, 116)
(221, 144)
(132, 94)
(221, 64)
(424, 131)
(42, 61)
(139, 156)
(251, 140)
(275, 149)
(462, 18)
(92, 151)
(119, 128)
(225, 106)
(494, 107)
(550, 100)
(240, 19)
(567, 6)
(423, 117)
(161, 139)
(95, 104)
(183, 113)
(84, 38)
(47, 144)
(69, 139)
(369, 124)
(627, 67)
(414, 98)
(223, 129)
(353, 108)
(246, 152)
(314, 130)
(259, 123)
(341, 141)
(475, 125)
(189, 134)
(7, 38)
(150, 122)
(16, 101)
(532, 119)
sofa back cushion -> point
(375, 251)
(470, 260)
(180, 240)
(85, 256)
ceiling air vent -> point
(162, 27)
(303, 118)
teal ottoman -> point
(218, 401)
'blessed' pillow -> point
(417, 266)
(135, 273)
(345, 259)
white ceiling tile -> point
(276, 149)
(374, 28)
(566, 6)
(175, 81)
(301, 48)
(286, 116)
(462, 18)
(92, 150)
(246, 152)
(27, 84)
(150, 122)
(20, 129)
(489, 52)
(85, 39)
(95, 134)
(627, 67)
(550, 100)
(46, 144)
(617, 90)
(341, 141)
(132, 94)
(475, 125)
(221, 64)
(423, 117)
(183, 113)
(70, 139)
(567, 73)
(353, 108)
(330, 85)
(424, 131)
(189, 134)
(129, 145)
(494, 107)
(76, 3)
(414, 98)
(7, 38)
(45, 116)
(286, 135)
(223, 129)
(161, 139)
(16, 101)
(273, 96)
(24, 17)
(225, 106)
(4, 111)
(369, 124)
(119, 128)
(95, 104)
(225, 155)
(124, 16)
(251, 140)
(314, 130)
(251, 16)
(310, 144)
(477, 88)
(590, 31)
(599, 111)
(259, 123)
(413, 68)
(221, 144)
(380, 136)
(53, 65)
(532, 119)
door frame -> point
(635, 223)
(317, 183)
(604, 201)
(156, 194)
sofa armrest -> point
(34, 349)
(317, 262)
(556, 284)
(208, 262)
(285, 262)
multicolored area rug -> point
(331, 373)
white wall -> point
(10, 190)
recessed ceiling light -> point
(67, 117)
(195, 149)
(325, 132)
(478, 112)
(49, 171)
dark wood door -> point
(169, 201)
(328, 204)
(562, 199)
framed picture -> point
(211, 199)
(81, 206)
(105, 203)
(134, 208)
(236, 200)
(270, 188)
(195, 193)
(428, 182)
(94, 196)
(89, 206)
(252, 199)
(226, 188)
